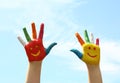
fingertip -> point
(86, 36)
(50, 47)
(72, 50)
(41, 31)
(76, 34)
(34, 33)
(26, 34)
(85, 30)
(42, 25)
(81, 41)
(21, 40)
(78, 53)
(32, 23)
(55, 43)
(24, 29)
(97, 41)
(91, 38)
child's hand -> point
(91, 51)
(34, 48)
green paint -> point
(26, 34)
(86, 36)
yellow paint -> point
(91, 53)
(37, 54)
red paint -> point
(34, 47)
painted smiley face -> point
(91, 53)
(35, 50)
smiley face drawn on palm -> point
(91, 51)
(34, 48)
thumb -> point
(50, 47)
(77, 52)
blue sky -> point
(62, 19)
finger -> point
(97, 41)
(50, 47)
(26, 34)
(78, 53)
(79, 38)
(21, 41)
(34, 33)
(86, 37)
(41, 31)
(91, 38)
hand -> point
(91, 51)
(34, 48)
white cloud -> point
(110, 50)
(110, 58)
(22, 12)
(110, 68)
(38, 3)
(62, 1)
(11, 3)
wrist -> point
(35, 66)
(93, 67)
(34, 72)
(94, 73)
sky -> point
(62, 19)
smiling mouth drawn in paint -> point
(91, 55)
(91, 48)
(33, 49)
(37, 54)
